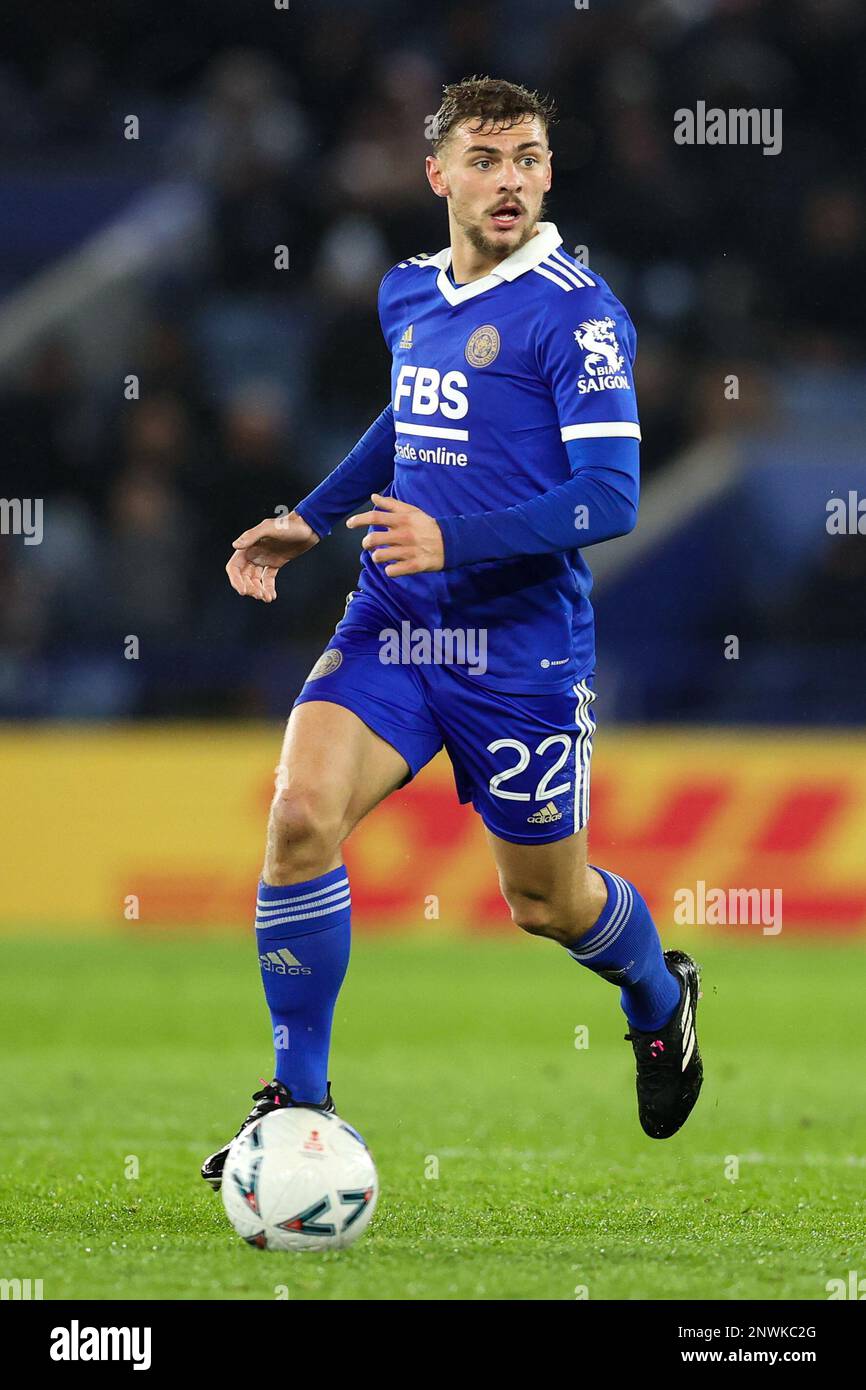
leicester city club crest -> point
(327, 662)
(483, 346)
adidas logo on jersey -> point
(406, 340)
(546, 816)
(282, 962)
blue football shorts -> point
(521, 760)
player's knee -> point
(302, 826)
(532, 912)
(543, 914)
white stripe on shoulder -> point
(575, 268)
(572, 272)
(549, 275)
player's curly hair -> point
(493, 102)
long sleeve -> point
(599, 501)
(588, 369)
(368, 468)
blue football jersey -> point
(490, 381)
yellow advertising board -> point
(157, 827)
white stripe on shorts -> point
(582, 753)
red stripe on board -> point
(825, 911)
(801, 818)
(679, 822)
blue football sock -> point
(303, 937)
(624, 948)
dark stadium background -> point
(305, 128)
(732, 663)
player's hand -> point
(264, 549)
(412, 541)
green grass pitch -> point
(455, 1055)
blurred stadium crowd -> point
(306, 128)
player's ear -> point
(436, 177)
(549, 178)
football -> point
(300, 1180)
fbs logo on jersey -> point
(603, 362)
(546, 816)
(406, 340)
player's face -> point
(495, 181)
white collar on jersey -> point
(528, 256)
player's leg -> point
(524, 762)
(333, 770)
(605, 925)
(601, 920)
(549, 887)
(358, 731)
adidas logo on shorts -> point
(546, 816)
